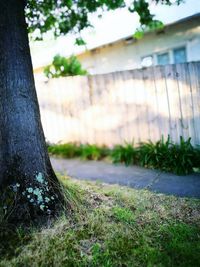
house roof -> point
(186, 19)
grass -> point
(107, 226)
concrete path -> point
(136, 177)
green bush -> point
(70, 150)
(62, 67)
(163, 155)
(126, 154)
(182, 157)
(169, 157)
(155, 155)
(84, 151)
(93, 152)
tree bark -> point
(29, 187)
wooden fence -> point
(138, 105)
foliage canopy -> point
(64, 16)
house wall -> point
(124, 55)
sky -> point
(112, 26)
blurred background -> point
(117, 87)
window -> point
(163, 59)
(180, 55)
(147, 61)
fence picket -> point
(123, 106)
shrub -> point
(126, 154)
(93, 152)
(69, 150)
(196, 158)
(182, 157)
(169, 157)
(154, 155)
(163, 155)
(62, 67)
(85, 151)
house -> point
(178, 42)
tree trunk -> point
(29, 187)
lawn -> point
(109, 225)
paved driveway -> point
(132, 176)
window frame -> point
(179, 47)
(161, 53)
(170, 52)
